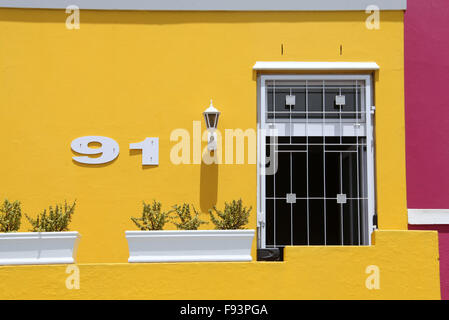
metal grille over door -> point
(317, 134)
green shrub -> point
(56, 219)
(234, 216)
(186, 220)
(152, 217)
(10, 215)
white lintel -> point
(315, 66)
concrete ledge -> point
(407, 262)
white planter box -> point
(38, 247)
(189, 245)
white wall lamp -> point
(211, 116)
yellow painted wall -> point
(131, 75)
(407, 263)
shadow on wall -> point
(84, 165)
(138, 152)
(208, 185)
(183, 17)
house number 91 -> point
(109, 150)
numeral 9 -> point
(109, 149)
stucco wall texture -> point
(407, 262)
(129, 75)
(427, 115)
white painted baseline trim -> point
(428, 216)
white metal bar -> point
(289, 151)
(313, 112)
(314, 198)
(286, 86)
(262, 162)
(291, 204)
(291, 175)
(274, 176)
(339, 117)
(350, 206)
(307, 164)
(324, 168)
(341, 205)
(369, 157)
(358, 183)
(316, 144)
(318, 129)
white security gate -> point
(315, 143)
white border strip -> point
(315, 66)
(428, 216)
(210, 5)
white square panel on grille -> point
(340, 100)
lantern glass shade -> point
(211, 116)
(211, 121)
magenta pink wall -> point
(427, 115)
(427, 103)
